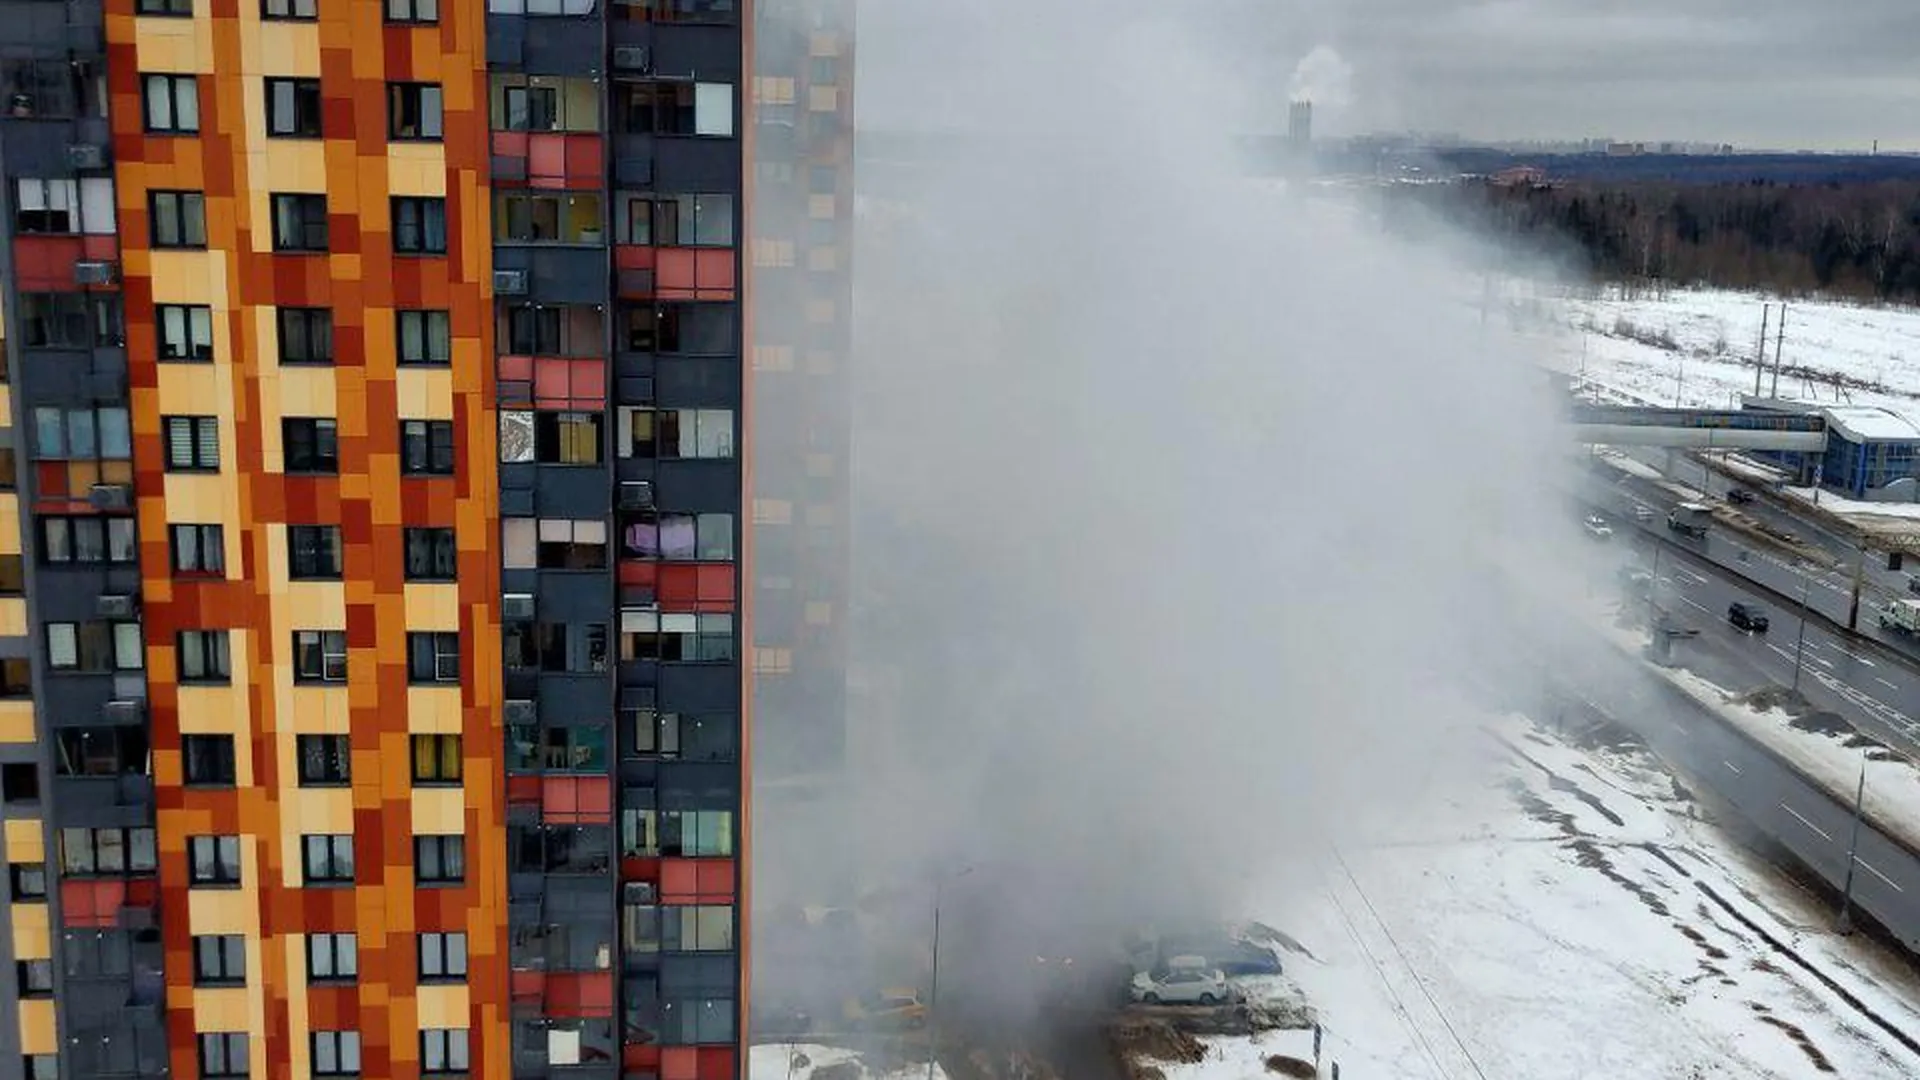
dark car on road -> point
(1739, 496)
(1747, 617)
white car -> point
(1642, 512)
(1188, 980)
(1598, 527)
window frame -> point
(198, 459)
(410, 12)
(319, 442)
(304, 101)
(442, 674)
(186, 210)
(65, 538)
(223, 1055)
(309, 748)
(430, 547)
(188, 319)
(222, 875)
(292, 10)
(428, 227)
(433, 849)
(428, 448)
(316, 553)
(436, 955)
(334, 1044)
(431, 329)
(307, 320)
(436, 758)
(323, 644)
(129, 840)
(214, 650)
(309, 236)
(178, 9)
(445, 1051)
(416, 112)
(167, 85)
(202, 533)
(220, 950)
(328, 943)
(320, 867)
(121, 654)
(217, 756)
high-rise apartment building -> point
(374, 644)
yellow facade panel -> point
(316, 605)
(187, 389)
(823, 99)
(418, 168)
(176, 45)
(442, 1007)
(226, 911)
(36, 1027)
(425, 393)
(319, 710)
(439, 811)
(288, 48)
(32, 932)
(187, 277)
(224, 1008)
(9, 523)
(25, 841)
(823, 44)
(201, 497)
(13, 615)
(290, 165)
(432, 606)
(433, 710)
(6, 392)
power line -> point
(1379, 969)
(1408, 964)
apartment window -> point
(205, 656)
(544, 103)
(559, 849)
(425, 337)
(550, 437)
(681, 736)
(87, 540)
(293, 108)
(95, 646)
(333, 958)
(551, 330)
(675, 834)
(664, 107)
(560, 748)
(443, 957)
(164, 7)
(319, 656)
(433, 657)
(34, 978)
(314, 552)
(419, 225)
(676, 220)
(19, 783)
(436, 760)
(327, 859)
(27, 881)
(696, 928)
(185, 331)
(311, 444)
(540, 7)
(208, 759)
(306, 335)
(223, 1055)
(219, 960)
(426, 447)
(172, 104)
(324, 760)
(193, 443)
(430, 554)
(71, 320)
(101, 751)
(290, 9)
(676, 433)
(16, 677)
(107, 852)
(443, 1051)
(413, 11)
(63, 207)
(439, 860)
(51, 89)
(40, 1066)
(178, 219)
(99, 433)
(651, 635)
(213, 861)
(413, 112)
(678, 537)
(560, 647)
(554, 544)
(299, 222)
(197, 549)
(336, 1053)
(521, 217)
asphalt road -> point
(1811, 824)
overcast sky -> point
(1757, 73)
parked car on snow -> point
(1597, 527)
(1747, 617)
(1187, 980)
(891, 1009)
(1739, 496)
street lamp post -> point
(1800, 647)
(1844, 925)
(933, 989)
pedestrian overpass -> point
(1697, 429)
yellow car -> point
(891, 1009)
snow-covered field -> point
(1569, 928)
(1697, 347)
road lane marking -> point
(1796, 816)
(1695, 603)
(1735, 768)
(1690, 575)
(1868, 867)
(1886, 684)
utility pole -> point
(933, 990)
(1779, 347)
(1760, 354)
(1844, 924)
(1859, 578)
(1800, 647)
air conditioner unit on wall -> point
(516, 606)
(124, 711)
(89, 272)
(521, 712)
(632, 58)
(111, 496)
(116, 606)
(636, 495)
(86, 156)
(510, 282)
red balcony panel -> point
(560, 800)
(640, 870)
(100, 248)
(510, 144)
(716, 1063)
(694, 273)
(640, 1057)
(633, 257)
(527, 987)
(142, 891)
(640, 574)
(45, 263)
(523, 790)
(92, 903)
(586, 160)
(679, 1063)
(715, 592)
(696, 881)
(564, 383)
(695, 587)
(579, 994)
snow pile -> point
(803, 1061)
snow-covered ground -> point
(1697, 346)
(1572, 920)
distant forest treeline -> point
(1859, 241)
